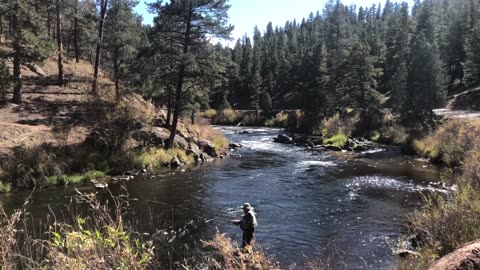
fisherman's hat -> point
(247, 206)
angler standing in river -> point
(247, 224)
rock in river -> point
(281, 138)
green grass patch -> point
(376, 135)
(4, 188)
(65, 180)
(155, 158)
(339, 140)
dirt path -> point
(448, 113)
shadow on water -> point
(305, 200)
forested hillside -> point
(396, 56)
(342, 58)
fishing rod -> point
(226, 218)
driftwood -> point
(464, 258)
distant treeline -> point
(344, 58)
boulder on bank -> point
(208, 147)
(282, 138)
(180, 143)
(206, 157)
(194, 150)
(466, 257)
(175, 162)
(156, 136)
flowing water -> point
(306, 201)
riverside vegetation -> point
(77, 78)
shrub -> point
(229, 256)
(280, 120)
(210, 113)
(393, 134)
(339, 140)
(115, 121)
(5, 188)
(447, 224)
(338, 125)
(227, 117)
(30, 167)
(452, 142)
(294, 119)
(100, 241)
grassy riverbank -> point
(379, 125)
(447, 223)
(118, 137)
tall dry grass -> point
(8, 237)
(446, 223)
(228, 255)
(99, 240)
(452, 142)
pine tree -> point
(29, 38)
(472, 46)
(59, 37)
(5, 80)
(101, 24)
(424, 88)
(122, 37)
(186, 26)
(397, 42)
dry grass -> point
(209, 133)
(100, 241)
(154, 158)
(338, 125)
(229, 256)
(447, 223)
(8, 237)
(452, 142)
(227, 117)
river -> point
(307, 202)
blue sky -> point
(245, 14)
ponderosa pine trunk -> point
(180, 81)
(103, 14)
(75, 33)
(169, 108)
(17, 37)
(59, 45)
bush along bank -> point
(444, 234)
(349, 132)
(128, 136)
